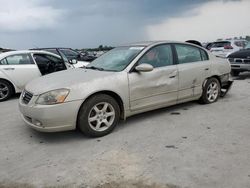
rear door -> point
(20, 69)
(193, 68)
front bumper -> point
(50, 118)
(240, 67)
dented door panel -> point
(191, 78)
(149, 89)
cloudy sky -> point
(89, 23)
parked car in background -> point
(88, 56)
(194, 42)
(19, 67)
(226, 47)
(125, 81)
(240, 60)
(2, 50)
(208, 45)
(69, 54)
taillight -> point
(228, 47)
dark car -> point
(240, 60)
(70, 54)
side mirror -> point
(73, 61)
(144, 67)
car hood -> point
(241, 54)
(65, 79)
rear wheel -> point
(6, 90)
(235, 73)
(211, 91)
(98, 116)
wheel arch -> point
(214, 76)
(12, 85)
(114, 95)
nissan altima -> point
(127, 80)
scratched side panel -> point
(191, 78)
(153, 88)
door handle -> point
(173, 74)
(206, 69)
(9, 68)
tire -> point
(211, 91)
(93, 120)
(6, 90)
(235, 73)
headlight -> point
(53, 97)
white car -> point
(226, 47)
(19, 67)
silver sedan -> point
(125, 81)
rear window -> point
(187, 53)
(204, 55)
(19, 59)
(220, 44)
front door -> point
(158, 87)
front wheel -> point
(98, 116)
(211, 91)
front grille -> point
(26, 97)
(247, 61)
(239, 61)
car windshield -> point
(116, 59)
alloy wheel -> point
(4, 91)
(101, 116)
(212, 91)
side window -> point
(158, 56)
(187, 54)
(204, 55)
(48, 63)
(3, 62)
(20, 59)
(44, 59)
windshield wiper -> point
(94, 68)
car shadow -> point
(171, 110)
(76, 135)
(56, 137)
(242, 76)
(15, 96)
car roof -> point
(232, 40)
(153, 43)
(51, 48)
(6, 54)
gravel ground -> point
(185, 146)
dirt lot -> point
(189, 146)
